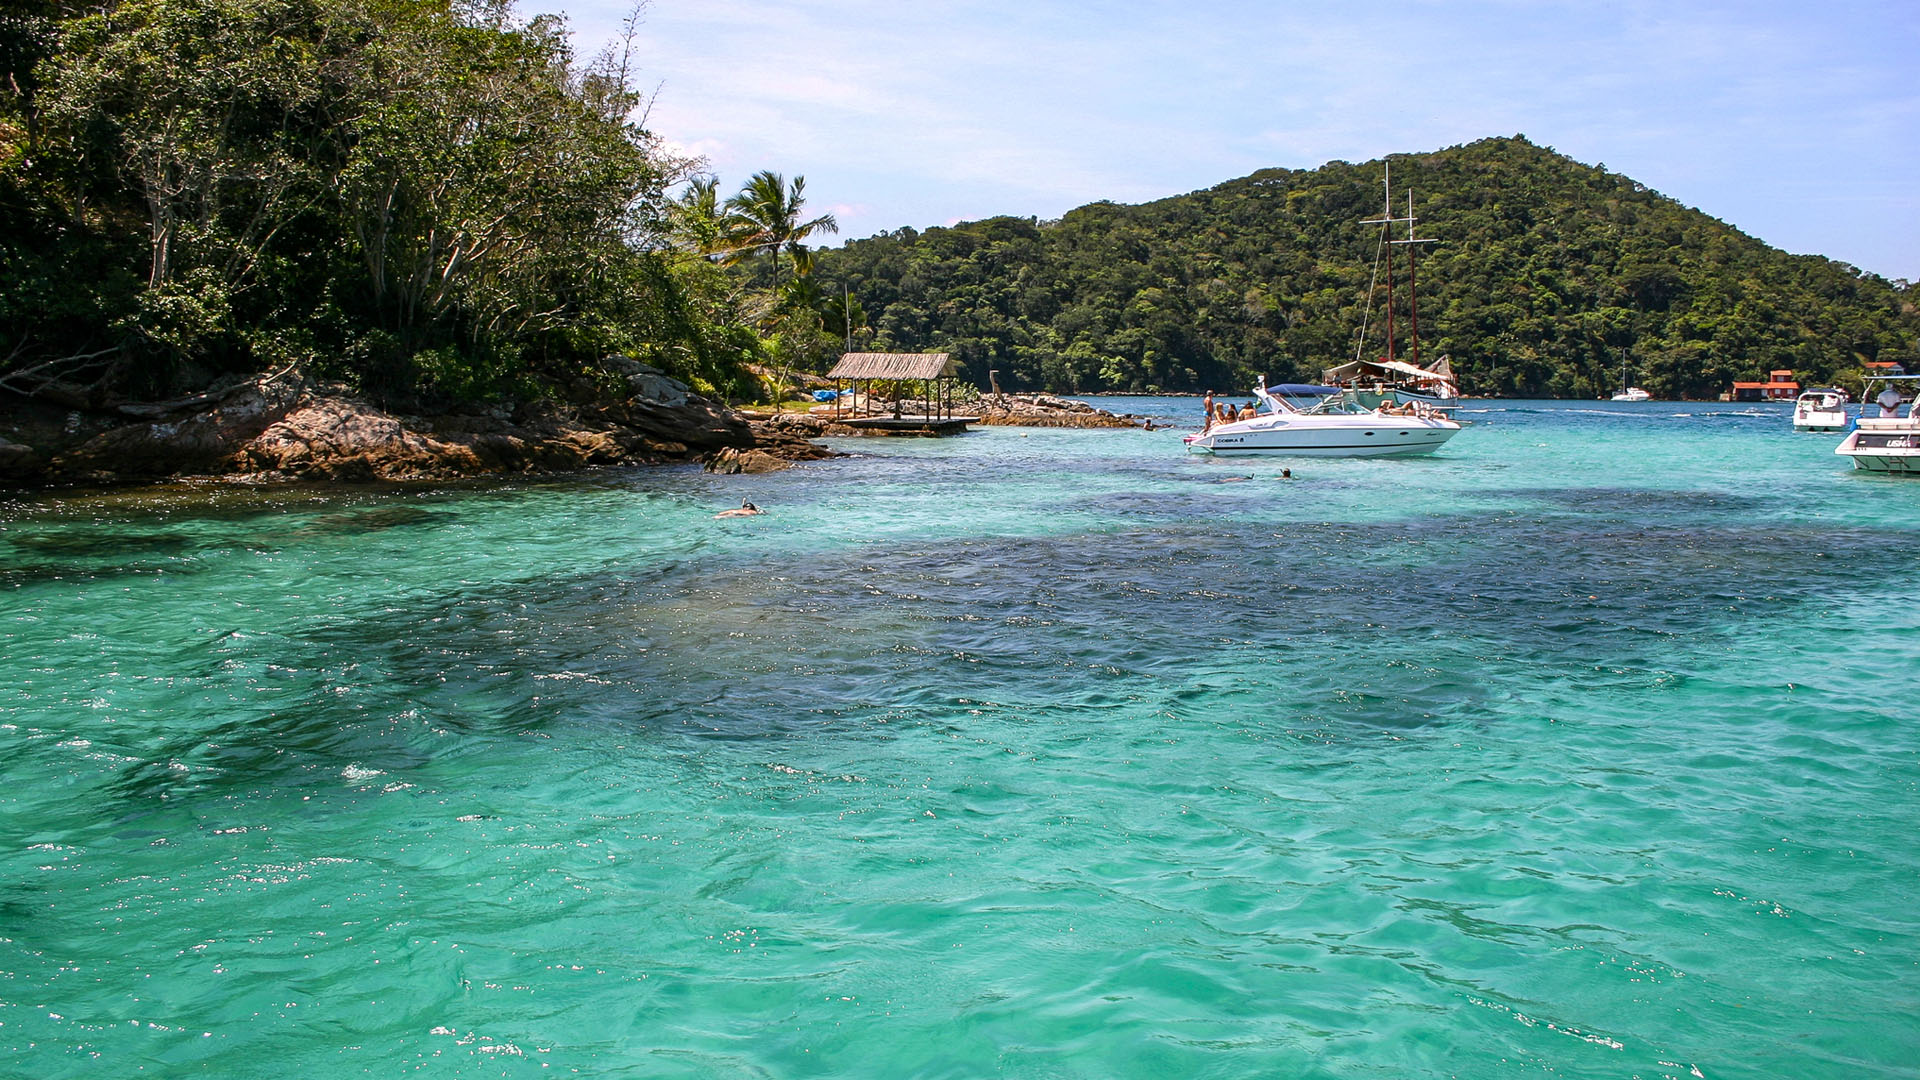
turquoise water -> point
(1585, 748)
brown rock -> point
(1045, 410)
(197, 442)
(19, 461)
(284, 428)
(732, 461)
(346, 440)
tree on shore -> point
(765, 217)
(432, 201)
(1548, 270)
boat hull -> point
(1820, 423)
(1821, 410)
(1307, 436)
(1882, 451)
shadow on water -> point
(1359, 624)
(1300, 626)
(1633, 503)
(86, 551)
(99, 543)
(371, 519)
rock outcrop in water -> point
(285, 428)
(1045, 410)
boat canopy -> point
(1387, 369)
(1295, 389)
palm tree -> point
(698, 220)
(765, 216)
(842, 315)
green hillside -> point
(1547, 274)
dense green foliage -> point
(1547, 275)
(432, 200)
(436, 201)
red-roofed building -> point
(1779, 386)
(1885, 367)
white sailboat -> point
(1629, 393)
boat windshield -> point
(1293, 397)
(1339, 404)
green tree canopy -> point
(422, 197)
(1546, 274)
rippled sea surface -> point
(1585, 748)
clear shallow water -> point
(1583, 748)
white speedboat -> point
(1887, 442)
(1386, 406)
(1334, 426)
(1821, 410)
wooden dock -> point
(933, 426)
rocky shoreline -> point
(281, 428)
(1047, 410)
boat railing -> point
(1888, 423)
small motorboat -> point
(1824, 409)
(1887, 442)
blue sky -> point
(1798, 123)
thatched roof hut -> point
(936, 372)
(895, 366)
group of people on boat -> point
(1408, 408)
(1226, 413)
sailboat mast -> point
(1386, 221)
(1387, 224)
(1413, 285)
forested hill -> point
(1547, 274)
